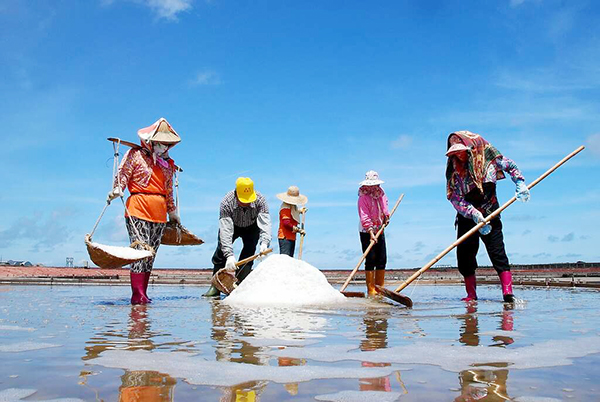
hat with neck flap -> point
(480, 154)
(161, 131)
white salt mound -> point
(284, 281)
(126, 253)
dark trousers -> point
(250, 236)
(287, 247)
(377, 257)
(466, 252)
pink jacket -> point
(372, 211)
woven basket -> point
(177, 235)
(116, 257)
(224, 280)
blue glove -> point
(522, 191)
(478, 217)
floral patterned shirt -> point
(462, 184)
(136, 166)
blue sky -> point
(308, 93)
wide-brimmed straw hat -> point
(160, 131)
(371, 179)
(456, 148)
(293, 196)
(244, 189)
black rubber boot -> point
(212, 292)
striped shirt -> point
(231, 214)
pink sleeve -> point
(363, 212)
(384, 205)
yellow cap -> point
(244, 189)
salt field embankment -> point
(566, 274)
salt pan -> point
(284, 281)
(17, 394)
(196, 370)
(360, 396)
(15, 328)
(453, 357)
(126, 253)
(25, 346)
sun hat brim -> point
(371, 182)
(456, 148)
(298, 200)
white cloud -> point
(518, 3)
(402, 142)
(169, 9)
(593, 143)
(206, 78)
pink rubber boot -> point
(146, 281)
(470, 285)
(506, 281)
(137, 288)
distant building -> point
(14, 263)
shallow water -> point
(88, 343)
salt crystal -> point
(126, 253)
(284, 281)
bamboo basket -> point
(224, 280)
(115, 257)
(176, 234)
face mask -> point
(159, 149)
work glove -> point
(114, 193)
(262, 248)
(173, 217)
(298, 229)
(230, 264)
(522, 191)
(478, 217)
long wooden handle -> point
(134, 146)
(252, 258)
(302, 235)
(484, 222)
(345, 285)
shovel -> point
(225, 280)
(396, 296)
(345, 285)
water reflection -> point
(139, 385)
(376, 337)
(228, 331)
(481, 384)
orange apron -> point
(149, 203)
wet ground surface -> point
(87, 343)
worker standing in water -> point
(473, 168)
(243, 213)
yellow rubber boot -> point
(370, 279)
(380, 277)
